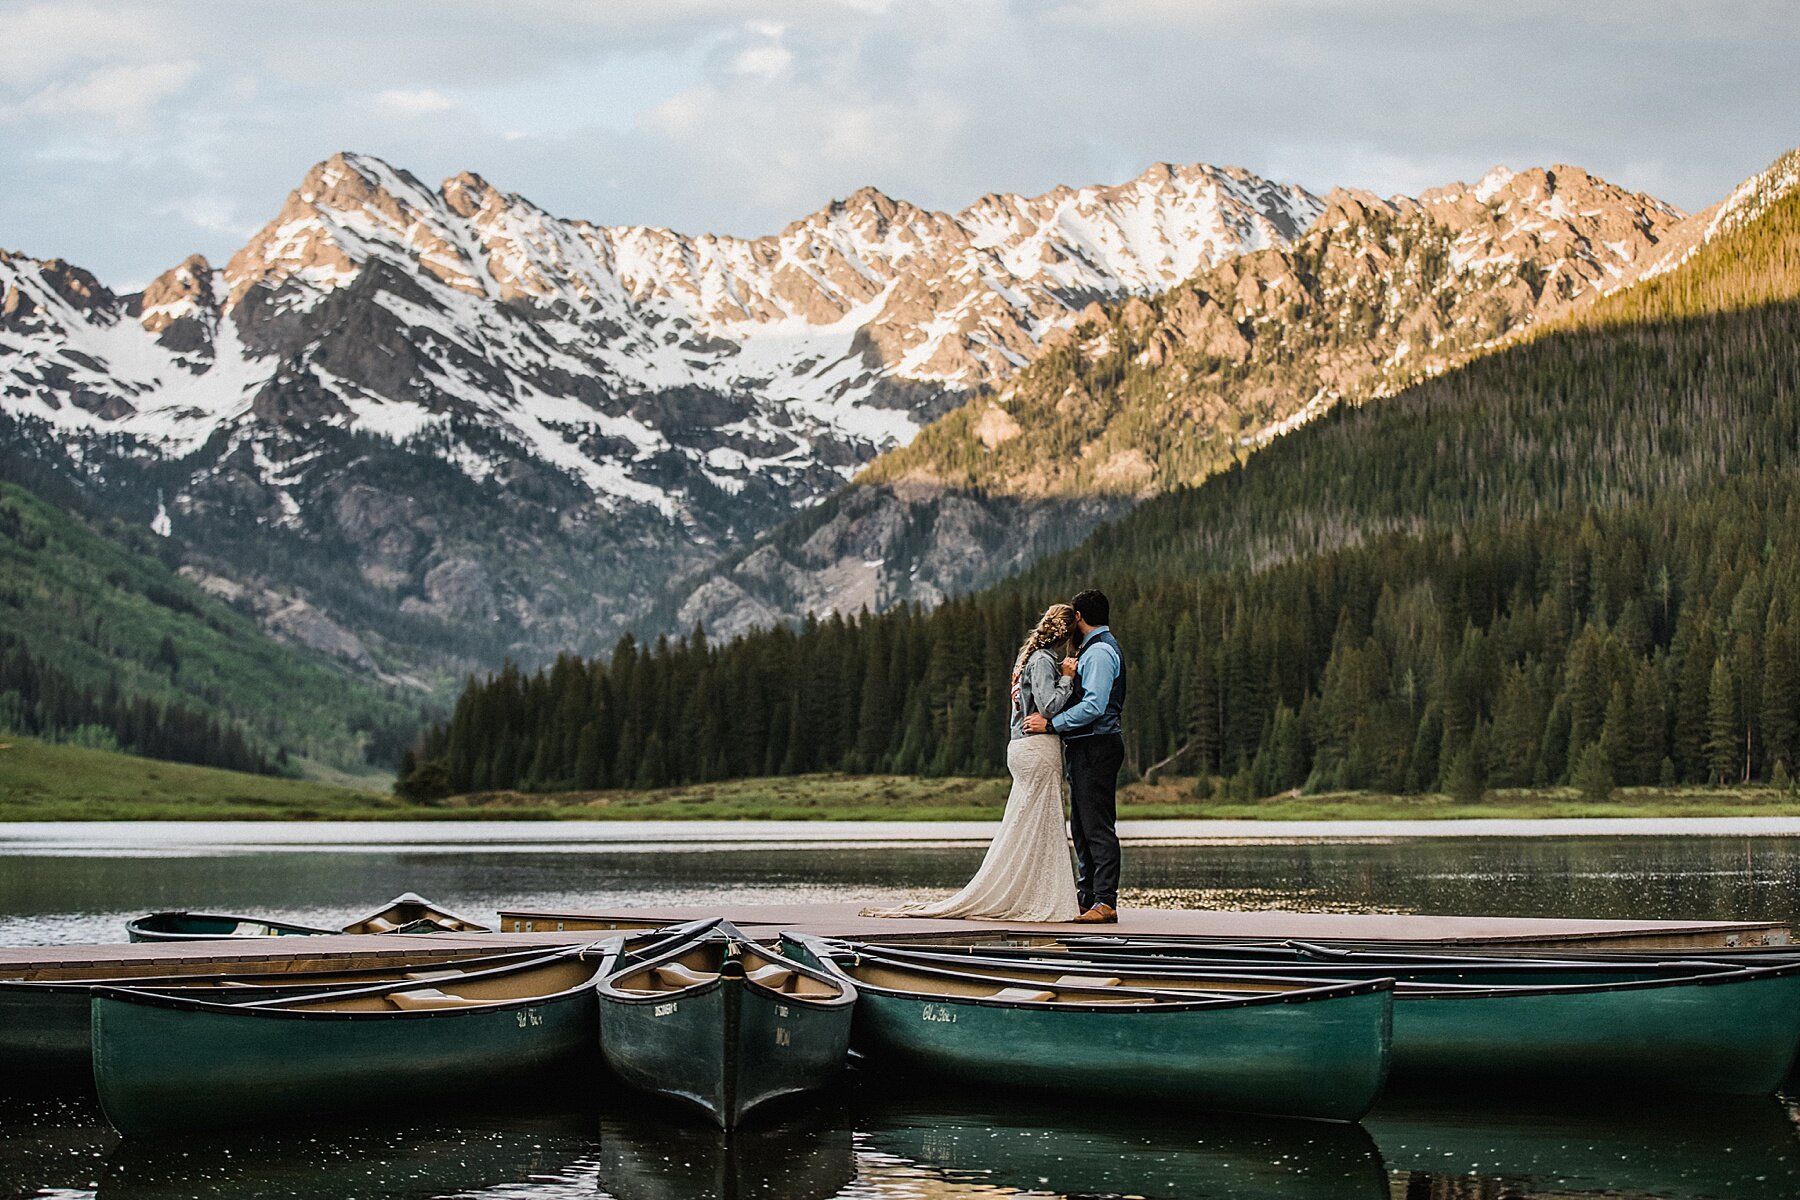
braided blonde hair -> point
(1056, 625)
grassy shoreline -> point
(41, 782)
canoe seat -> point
(418, 999)
(673, 975)
(1088, 981)
(1034, 995)
(375, 925)
(431, 974)
(774, 977)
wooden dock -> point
(842, 920)
(523, 928)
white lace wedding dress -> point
(1027, 873)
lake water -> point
(872, 1138)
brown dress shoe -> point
(1100, 914)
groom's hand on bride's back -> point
(1036, 723)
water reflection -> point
(50, 897)
(51, 1145)
(1746, 1149)
(1100, 1150)
(810, 1157)
(870, 1141)
(407, 1158)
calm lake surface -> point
(874, 1138)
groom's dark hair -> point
(1092, 606)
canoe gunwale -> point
(846, 990)
(268, 1008)
(136, 931)
(1294, 996)
(1711, 979)
(459, 923)
(296, 981)
(1723, 974)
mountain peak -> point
(468, 193)
(869, 198)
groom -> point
(1095, 750)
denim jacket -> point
(1040, 688)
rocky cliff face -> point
(445, 418)
(1151, 393)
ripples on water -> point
(873, 1139)
(900, 1143)
(50, 895)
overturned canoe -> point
(405, 913)
(1695, 1027)
(197, 927)
(724, 1025)
(164, 1062)
(44, 1013)
(1253, 1046)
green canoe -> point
(1280, 1049)
(165, 1062)
(1692, 1027)
(45, 1019)
(724, 1025)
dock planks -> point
(529, 927)
(843, 920)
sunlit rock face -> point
(415, 384)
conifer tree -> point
(1593, 774)
(1724, 744)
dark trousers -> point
(1093, 764)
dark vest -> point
(1108, 720)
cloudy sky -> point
(133, 134)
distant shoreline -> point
(42, 782)
(82, 838)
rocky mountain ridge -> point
(1152, 393)
(444, 414)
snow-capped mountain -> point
(623, 401)
(374, 303)
(1152, 393)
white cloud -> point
(137, 131)
(766, 61)
(126, 93)
(47, 41)
(414, 102)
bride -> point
(1026, 875)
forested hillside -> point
(1575, 558)
(102, 643)
(1160, 392)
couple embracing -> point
(1068, 686)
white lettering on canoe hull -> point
(529, 1017)
(941, 1014)
(663, 1010)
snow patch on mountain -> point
(374, 303)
